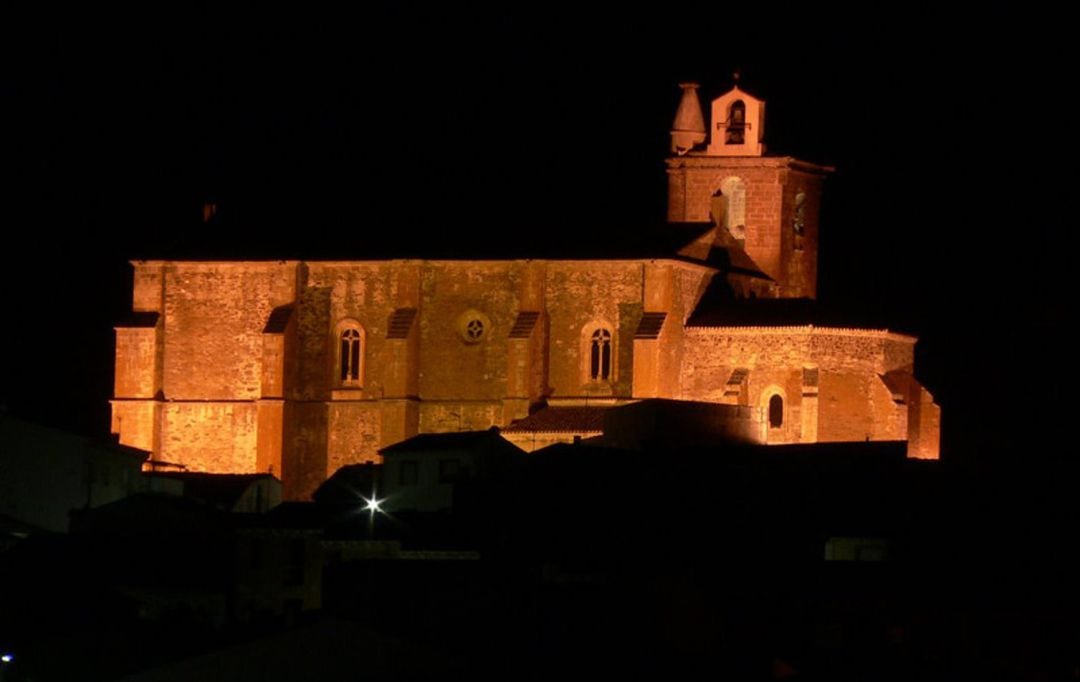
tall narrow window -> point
(733, 188)
(799, 222)
(736, 127)
(350, 355)
(600, 355)
(776, 412)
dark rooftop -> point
(151, 514)
(441, 441)
(279, 318)
(220, 490)
(719, 308)
(650, 326)
(578, 419)
(307, 515)
(524, 324)
(400, 322)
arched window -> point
(350, 355)
(776, 411)
(600, 355)
(733, 189)
(799, 223)
(736, 125)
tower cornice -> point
(694, 160)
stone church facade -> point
(301, 367)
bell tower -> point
(738, 125)
(768, 204)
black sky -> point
(396, 131)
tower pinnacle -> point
(688, 129)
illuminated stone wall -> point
(237, 366)
(240, 372)
(836, 384)
(581, 297)
(214, 316)
(219, 436)
(771, 187)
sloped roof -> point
(714, 246)
(220, 490)
(734, 259)
(524, 324)
(400, 323)
(278, 320)
(442, 441)
(650, 326)
(152, 514)
(718, 307)
(349, 484)
(898, 383)
(576, 419)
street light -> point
(373, 506)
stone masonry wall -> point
(210, 436)
(353, 433)
(452, 367)
(853, 402)
(136, 360)
(580, 293)
(214, 317)
(209, 351)
(771, 184)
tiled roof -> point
(400, 323)
(279, 318)
(579, 419)
(650, 326)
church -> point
(298, 368)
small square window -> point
(449, 470)
(408, 473)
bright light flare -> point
(7, 658)
(373, 504)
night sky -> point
(397, 132)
